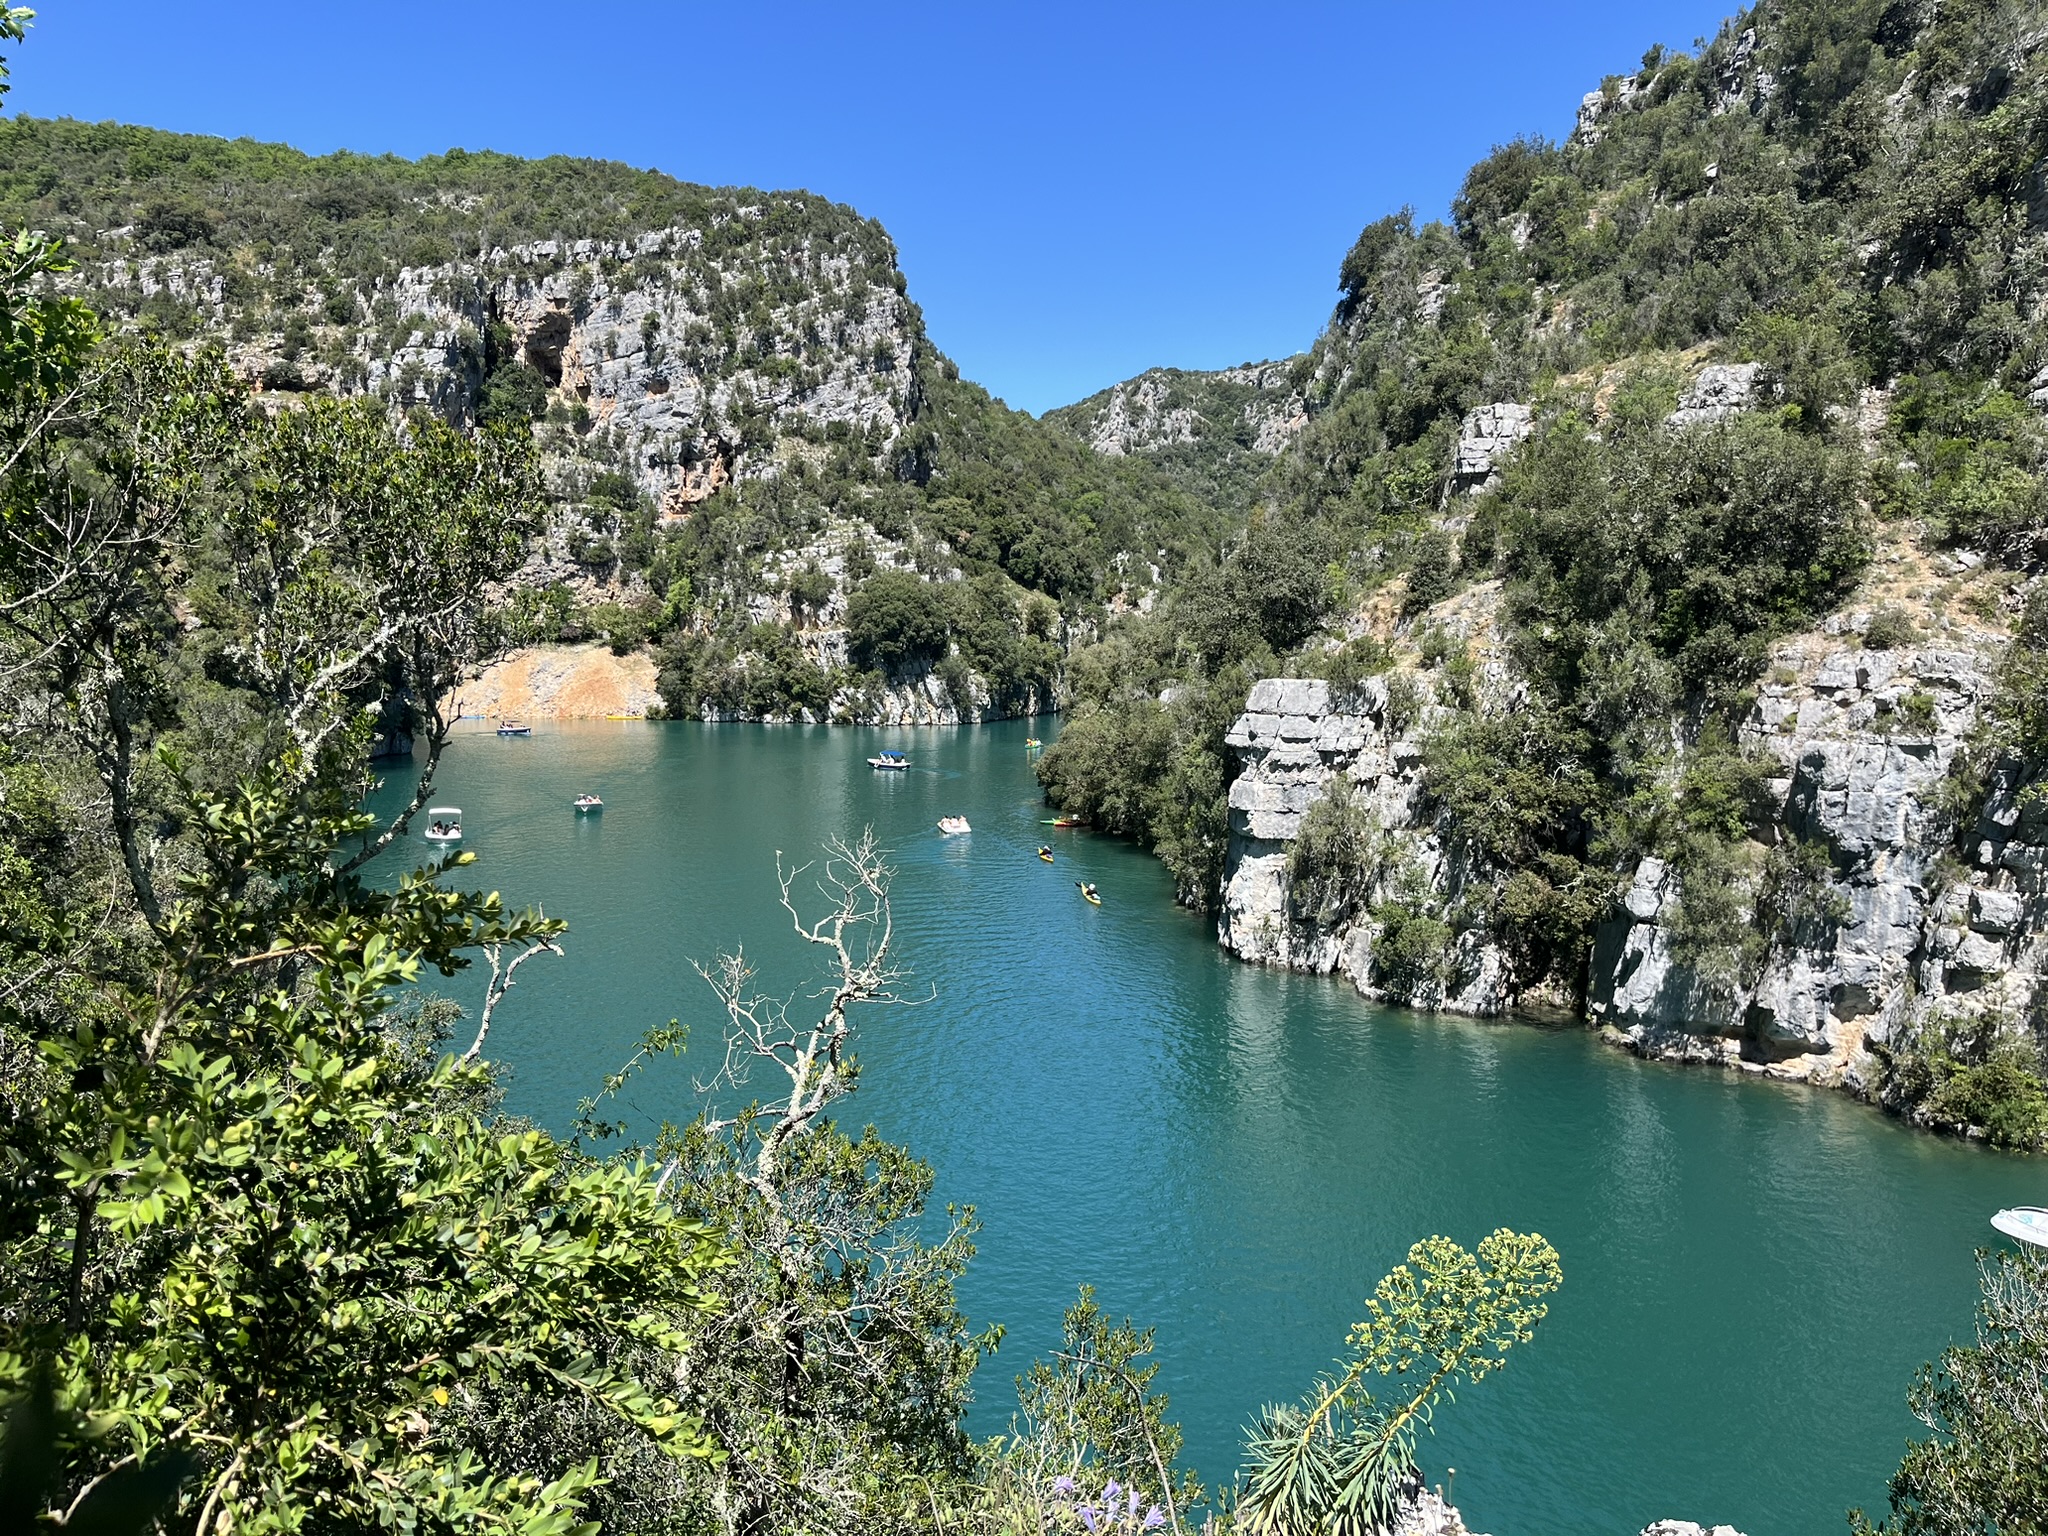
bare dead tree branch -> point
(500, 984)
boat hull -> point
(2026, 1223)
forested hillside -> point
(1217, 433)
(740, 417)
(274, 1258)
(1653, 558)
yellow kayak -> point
(1088, 894)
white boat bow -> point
(2028, 1223)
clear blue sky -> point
(1079, 192)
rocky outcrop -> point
(1429, 1515)
(714, 349)
(634, 339)
(1141, 417)
(1484, 439)
(1255, 408)
(1902, 929)
(1293, 739)
(1721, 390)
(1889, 928)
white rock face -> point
(1866, 739)
(1688, 1528)
(1484, 439)
(1721, 390)
(1731, 77)
(1911, 937)
(1616, 95)
(637, 333)
(1291, 741)
(1429, 1515)
(1140, 419)
(1166, 407)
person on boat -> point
(1088, 889)
(1045, 853)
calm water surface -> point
(1235, 1156)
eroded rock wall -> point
(1914, 926)
(1292, 740)
(1905, 926)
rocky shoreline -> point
(1904, 929)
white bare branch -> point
(501, 982)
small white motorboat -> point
(444, 824)
(890, 762)
(953, 826)
(585, 804)
(2028, 1223)
(510, 727)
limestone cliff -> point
(738, 411)
(1909, 920)
(683, 357)
(1218, 431)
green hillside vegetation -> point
(1217, 453)
(1035, 520)
(273, 1256)
(308, 252)
(1844, 194)
(359, 215)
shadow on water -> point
(1235, 1155)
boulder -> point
(1997, 912)
(1484, 439)
(1720, 391)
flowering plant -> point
(1117, 1511)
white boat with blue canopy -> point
(2028, 1223)
(889, 762)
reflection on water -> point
(1234, 1155)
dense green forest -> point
(272, 1255)
(1842, 201)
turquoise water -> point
(1235, 1156)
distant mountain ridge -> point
(1218, 430)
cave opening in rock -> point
(545, 344)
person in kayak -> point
(1087, 889)
(1045, 853)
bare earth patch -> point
(562, 682)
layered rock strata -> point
(1485, 438)
(1899, 929)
